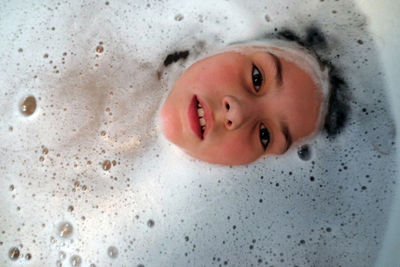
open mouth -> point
(202, 120)
(197, 118)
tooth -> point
(202, 122)
(200, 112)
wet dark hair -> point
(174, 57)
(338, 99)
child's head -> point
(246, 101)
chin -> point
(165, 125)
(169, 126)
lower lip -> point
(194, 118)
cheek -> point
(225, 75)
(238, 150)
(213, 78)
(169, 123)
(231, 147)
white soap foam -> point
(102, 104)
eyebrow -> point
(286, 133)
(278, 66)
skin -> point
(288, 107)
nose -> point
(235, 112)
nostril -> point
(227, 106)
(229, 123)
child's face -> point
(253, 103)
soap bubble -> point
(106, 165)
(65, 229)
(28, 106)
(62, 255)
(13, 253)
(179, 17)
(304, 152)
(99, 49)
(75, 260)
(150, 223)
(112, 252)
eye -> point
(256, 78)
(264, 136)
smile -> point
(197, 117)
(202, 120)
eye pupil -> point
(264, 133)
(257, 78)
(264, 136)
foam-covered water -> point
(88, 180)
